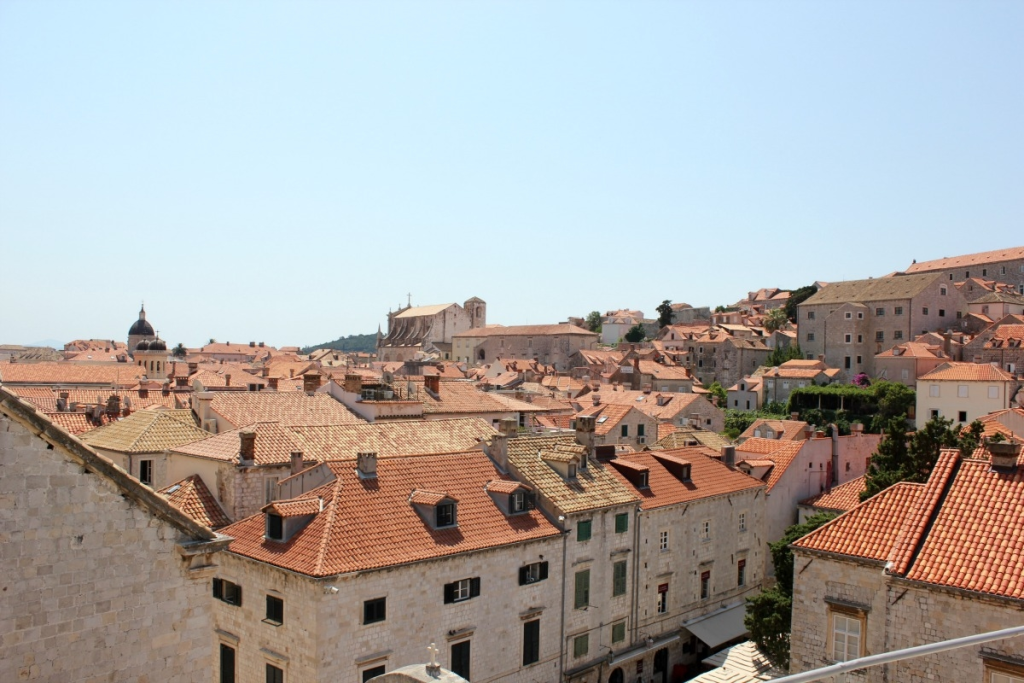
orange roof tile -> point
(289, 408)
(868, 530)
(967, 372)
(273, 446)
(525, 330)
(782, 453)
(72, 423)
(106, 374)
(790, 430)
(982, 258)
(844, 497)
(146, 432)
(369, 523)
(191, 496)
(390, 439)
(295, 508)
(708, 476)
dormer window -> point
(572, 470)
(445, 515)
(642, 481)
(583, 461)
(275, 527)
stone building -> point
(620, 425)
(682, 410)
(904, 363)
(1002, 265)
(102, 578)
(357, 565)
(428, 329)
(781, 381)
(846, 324)
(724, 356)
(912, 566)
(963, 392)
(550, 344)
(1001, 344)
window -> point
(705, 585)
(942, 313)
(445, 515)
(897, 334)
(933, 390)
(860, 338)
(962, 391)
(663, 598)
(849, 315)
(625, 431)
(460, 590)
(663, 542)
(274, 675)
(531, 642)
(375, 610)
(618, 631)
(935, 414)
(743, 521)
(993, 392)
(962, 416)
(849, 338)
(146, 472)
(705, 530)
(640, 429)
(583, 530)
(847, 362)
(227, 664)
(810, 315)
(810, 336)
(619, 578)
(580, 645)
(1015, 675)
(275, 609)
(860, 315)
(741, 573)
(582, 598)
(879, 312)
(924, 310)
(879, 336)
(227, 591)
(373, 673)
(460, 659)
(984, 272)
(532, 573)
(859, 360)
(942, 290)
(275, 527)
(622, 523)
(572, 470)
(846, 636)
(898, 310)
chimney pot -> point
(272, 383)
(353, 384)
(432, 383)
(366, 464)
(310, 382)
(296, 462)
(794, 416)
(247, 447)
(227, 379)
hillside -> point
(353, 342)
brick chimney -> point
(1004, 455)
(265, 372)
(310, 383)
(497, 449)
(296, 462)
(509, 428)
(165, 389)
(808, 432)
(353, 384)
(193, 368)
(227, 379)
(586, 426)
(366, 464)
(272, 383)
(432, 383)
(596, 398)
(794, 416)
(247, 448)
(181, 381)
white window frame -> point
(743, 521)
(462, 590)
(663, 541)
(842, 633)
(705, 530)
(963, 391)
(933, 391)
(993, 392)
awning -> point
(643, 648)
(720, 626)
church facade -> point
(428, 329)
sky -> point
(290, 171)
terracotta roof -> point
(708, 476)
(608, 416)
(391, 439)
(369, 523)
(72, 423)
(791, 430)
(913, 350)
(982, 258)
(877, 289)
(289, 408)
(460, 398)
(504, 486)
(594, 487)
(524, 330)
(870, 529)
(295, 508)
(674, 402)
(106, 374)
(844, 497)
(780, 452)
(191, 496)
(147, 431)
(45, 398)
(515, 404)
(664, 372)
(967, 372)
(684, 437)
(273, 446)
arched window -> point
(616, 677)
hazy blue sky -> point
(288, 171)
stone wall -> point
(92, 586)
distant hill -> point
(354, 342)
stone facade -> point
(102, 580)
(322, 636)
(429, 329)
(550, 344)
(1006, 265)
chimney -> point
(272, 383)
(366, 464)
(947, 344)
(143, 392)
(821, 357)
(265, 372)
(509, 427)
(181, 381)
(585, 428)
(432, 383)
(165, 389)
(819, 434)
(1004, 455)
(857, 428)
(296, 462)
(497, 449)
(227, 379)
(596, 398)
(808, 432)
(310, 383)
(247, 448)
(353, 384)
(729, 456)
(193, 368)
(252, 345)
(795, 417)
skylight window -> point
(602, 419)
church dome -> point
(142, 346)
(157, 345)
(141, 327)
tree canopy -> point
(780, 354)
(594, 321)
(775, 319)
(797, 297)
(635, 334)
(665, 313)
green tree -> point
(635, 334)
(769, 613)
(179, 351)
(797, 297)
(780, 354)
(894, 399)
(775, 319)
(594, 321)
(718, 391)
(665, 313)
